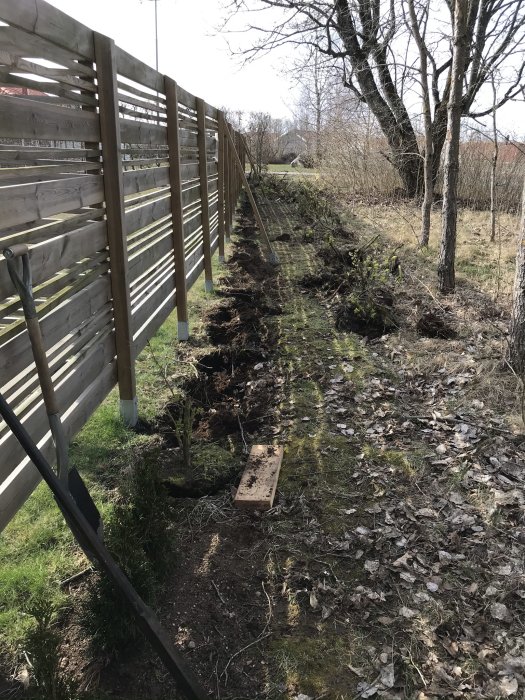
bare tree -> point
(418, 29)
(494, 162)
(517, 321)
(261, 135)
(315, 76)
(365, 36)
(447, 253)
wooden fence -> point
(123, 185)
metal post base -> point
(129, 411)
(221, 259)
(208, 285)
(183, 330)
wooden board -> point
(44, 20)
(259, 481)
(28, 119)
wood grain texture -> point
(259, 480)
(33, 201)
(29, 119)
(177, 206)
(41, 18)
(105, 56)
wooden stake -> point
(272, 256)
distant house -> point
(292, 144)
(20, 91)
(508, 151)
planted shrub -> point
(137, 535)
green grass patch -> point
(37, 549)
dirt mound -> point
(236, 384)
(436, 323)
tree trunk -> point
(447, 254)
(517, 320)
(426, 207)
(494, 166)
(439, 134)
(392, 116)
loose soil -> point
(392, 564)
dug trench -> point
(234, 387)
(390, 563)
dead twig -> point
(218, 592)
(260, 638)
(76, 577)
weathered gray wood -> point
(105, 56)
(152, 296)
(155, 99)
(37, 231)
(135, 181)
(145, 214)
(33, 154)
(69, 386)
(20, 43)
(133, 69)
(41, 18)
(195, 267)
(31, 202)
(62, 95)
(28, 119)
(142, 132)
(15, 354)
(35, 173)
(146, 258)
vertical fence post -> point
(220, 185)
(172, 109)
(227, 182)
(114, 195)
(205, 207)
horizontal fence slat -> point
(53, 195)
(41, 18)
(49, 257)
(139, 72)
(142, 132)
(30, 202)
(67, 391)
(15, 491)
(15, 354)
(28, 119)
(146, 179)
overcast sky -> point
(194, 51)
(191, 50)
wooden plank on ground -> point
(259, 481)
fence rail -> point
(123, 185)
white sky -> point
(196, 54)
(190, 50)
